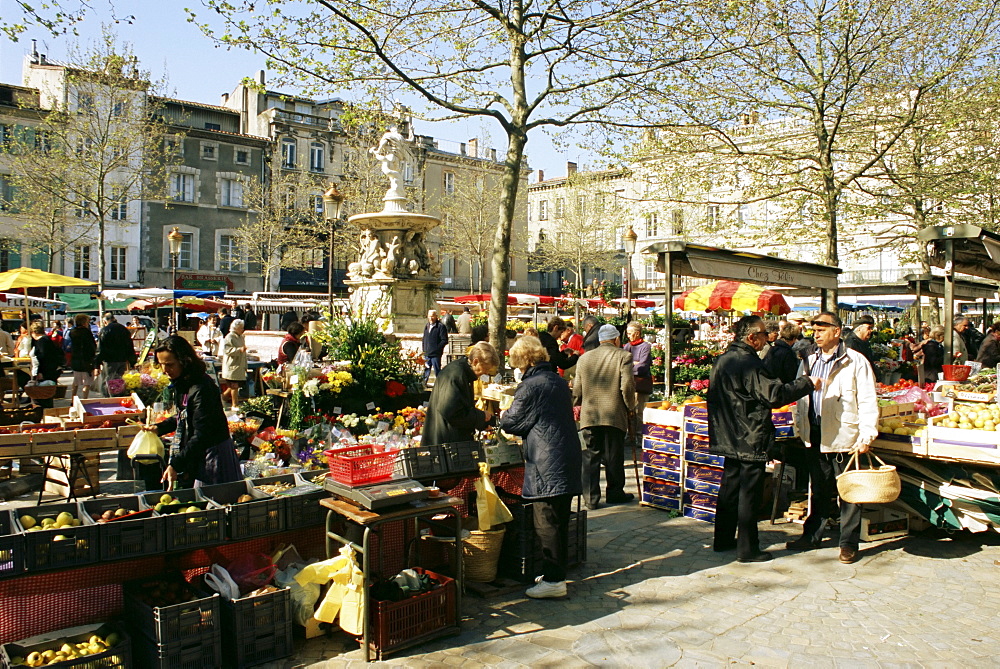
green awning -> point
(85, 302)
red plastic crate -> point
(423, 616)
(360, 465)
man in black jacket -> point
(590, 327)
(434, 340)
(989, 350)
(114, 348)
(858, 337)
(741, 395)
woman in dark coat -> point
(203, 452)
(451, 413)
(46, 359)
(542, 413)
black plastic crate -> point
(118, 656)
(257, 629)
(203, 651)
(421, 463)
(300, 503)
(521, 554)
(11, 547)
(245, 520)
(61, 547)
(129, 537)
(463, 457)
(187, 530)
(167, 623)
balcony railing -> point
(868, 277)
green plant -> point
(261, 405)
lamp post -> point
(332, 201)
(628, 240)
(175, 238)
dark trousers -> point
(431, 363)
(823, 470)
(551, 516)
(736, 513)
(603, 443)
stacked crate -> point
(662, 474)
(702, 470)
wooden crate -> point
(53, 443)
(57, 475)
(15, 445)
(126, 433)
(97, 439)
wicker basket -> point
(45, 392)
(868, 486)
(481, 553)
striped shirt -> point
(821, 368)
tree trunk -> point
(100, 266)
(516, 140)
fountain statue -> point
(395, 276)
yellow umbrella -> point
(27, 277)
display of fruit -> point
(274, 488)
(64, 519)
(319, 479)
(244, 498)
(167, 593)
(66, 650)
(168, 500)
(110, 514)
(971, 417)
(898, 425)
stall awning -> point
(977, 251)
(714, 263)
(85, 302)
(158, 293)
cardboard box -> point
(702, 500)
(662, 460)
(696, 427)
(660, 502)
(700, 472)
(696, 485)
(653, 414)
(783, 417)
(662, 432)
(661, 488)
(704, 458)
(696, 410)
(661, 446)
(699, 514)
(667, 475)
(694, 442)
(784, 431)
(883, 523)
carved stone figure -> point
(392, 152)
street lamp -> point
(332, 201)
(628, 240)
(175, 238)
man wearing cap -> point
(805, 345)
(857, 339)
(839, 418)
(604, 390)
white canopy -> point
(15, 301)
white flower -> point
(310, 388)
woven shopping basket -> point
(37, 392)
(481, 553)
(868, 486)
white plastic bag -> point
(145, 443)
(303, 596)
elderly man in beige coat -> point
(605, 391)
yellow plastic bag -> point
(344, 595)
(490, 509)
(145, 443)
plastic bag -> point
(251, 571)
(489, 508)
(145, 443)
(303, 595)
(345, 596)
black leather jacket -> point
(741, 395)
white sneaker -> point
(546, 590)
(538, 579)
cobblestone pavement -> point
(654, 594)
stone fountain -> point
(394, 277)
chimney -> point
(473, 145)
(261, 78)
(570, 168)
(461, 148)
(224, 99)
(541, 176)
(493, 155)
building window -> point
(713, 216)
(43, 140)
(230, 259)
(560, 206)
(242, 157)
(743, 213)
(5, 258)
(182, 187)
(317, 201)
(84, 103)
(6, 135)
(185, 257)
(6, 194)
(652, 224)
(213, 126)
(118, 110)
(677, 222)
(116, 264)
(408, 173)
(449, 183)
(81, 262)
(317, 163)
(543, 210)
(83, 209)
(119, 207)
(306, 258)
(230, 193)
(288, 154)
(581, 205)
(209, 150)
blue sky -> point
(197, 70)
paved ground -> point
(653, 594)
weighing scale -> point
(380, 495)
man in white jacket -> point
(839, 418)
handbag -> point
(868, 486)
(644, 384)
